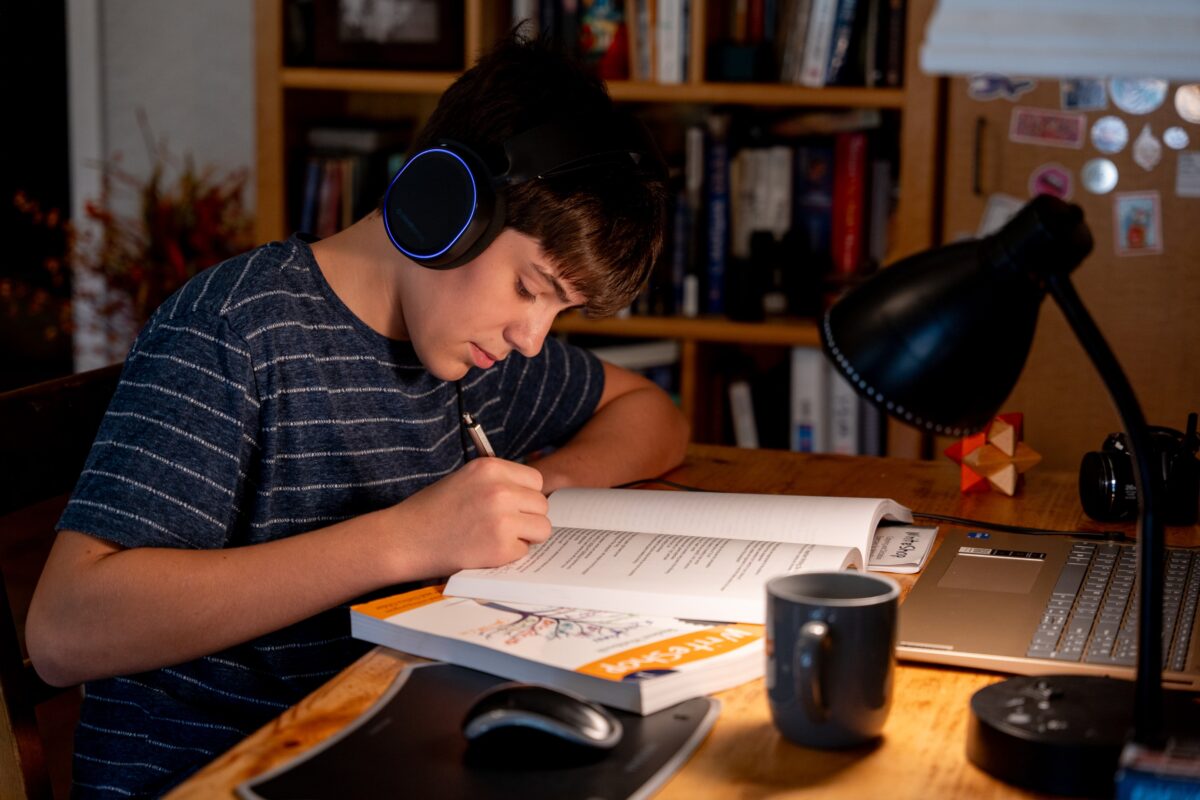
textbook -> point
(633, 662)
(693, 555)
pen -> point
(477, 435)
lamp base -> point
(1059, 734)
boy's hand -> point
(484, 515)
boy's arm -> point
(101, 610)
(635, 432)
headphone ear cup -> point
(440, 205)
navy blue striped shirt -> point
(253, 406)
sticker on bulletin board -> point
(1052, 179)
(1137, 224)
(1046, 127)
(1083, 94)
(989, 86)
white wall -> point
(189, 65)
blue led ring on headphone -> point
(440, 205)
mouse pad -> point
(410, 743)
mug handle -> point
(811, 646)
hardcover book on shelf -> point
(812, 195)
(671, 41)
(716, 188)
(843, 44)
(634, 662)
(818, 40)
(892, 40)
(849, 198)
(793, 34)
(692, 555)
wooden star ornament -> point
(994, 459)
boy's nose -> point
(528, 334)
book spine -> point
(717, 179)
(880, 211)
(777, 191)
(818, 39)
(843, 414)
(697, 242)
(741, 408)
(812, 197)
(670, 40)
(841, 40)
(872, 73)
(756, 22)
(328, 197)
(810, 399)
(793, 38)
(872, 429)
(744, 180)
(312, 188)
(680, 240)
(849, 186)
(893, 43)
(637, 32)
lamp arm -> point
(1148, 697)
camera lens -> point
(1106, 486)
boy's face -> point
(476, 314)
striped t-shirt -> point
(253, 406)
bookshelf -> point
(288, 96)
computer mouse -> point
(521, 724)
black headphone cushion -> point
(441, 206)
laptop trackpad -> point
(991, 573)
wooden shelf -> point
(366, 80)
(782, 332)
(914, 227)
(760, 94)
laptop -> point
(1043, 604)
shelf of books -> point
(800, 135)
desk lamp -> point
(938, 340)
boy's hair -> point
(601, 226)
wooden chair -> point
(46, 431)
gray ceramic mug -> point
(831, 639)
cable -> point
(1107, 536)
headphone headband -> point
(442, 209)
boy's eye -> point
(524, 293)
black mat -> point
(410, 744)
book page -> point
(843, 521)
(691, 577)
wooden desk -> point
(922, 754)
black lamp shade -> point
(938, 339)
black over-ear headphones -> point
(443, 207)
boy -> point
(287, 438)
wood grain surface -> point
(922, 751)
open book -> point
(693, 555)
(633, 662)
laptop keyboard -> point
(1092, 613)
